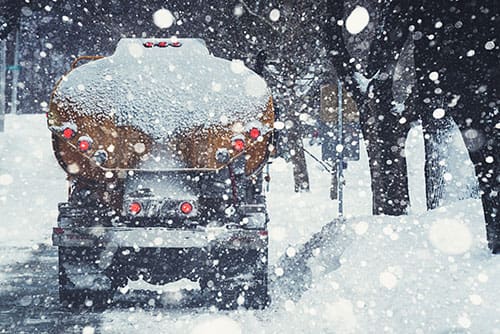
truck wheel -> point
(241, 280)
(72, 294)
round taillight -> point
(149, 44)
(162, 44)
(238, 145)
(84, 145)
(135, 208)
(186, 208)
(254, 133)
(68, 133)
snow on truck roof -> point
(160, 89)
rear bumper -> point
(159, 237)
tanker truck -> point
(164, 146)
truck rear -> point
(164, 146)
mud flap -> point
(82, 281)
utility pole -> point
(340, 151)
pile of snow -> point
(429, 273)
(31, 182)
(160, 90)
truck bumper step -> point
(158, 237)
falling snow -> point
(424, 83)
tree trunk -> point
(300, 174)
(437, 134)
(384, 138)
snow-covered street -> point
(428, 272)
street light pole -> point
(340, 151)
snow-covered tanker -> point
(164, 146)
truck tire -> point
(241, 280)
(73, 296)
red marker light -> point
(186, 208)
(176, 44)
(162, 44)
(135, 208)
(68, 133)
(254, 133)
(238, 145)
(83, 145)
(149, 44)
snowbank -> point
(429, 273)
(31, 182)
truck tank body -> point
(159, 104)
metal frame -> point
(159, 237)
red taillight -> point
(84, 145)
(135, 208)
(68, 133)
(238, 145)
(254, 133)
(162, 44)
(149, 44)
(175, 44)
(186, 208)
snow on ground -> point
(429, 272)
(31, 182)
